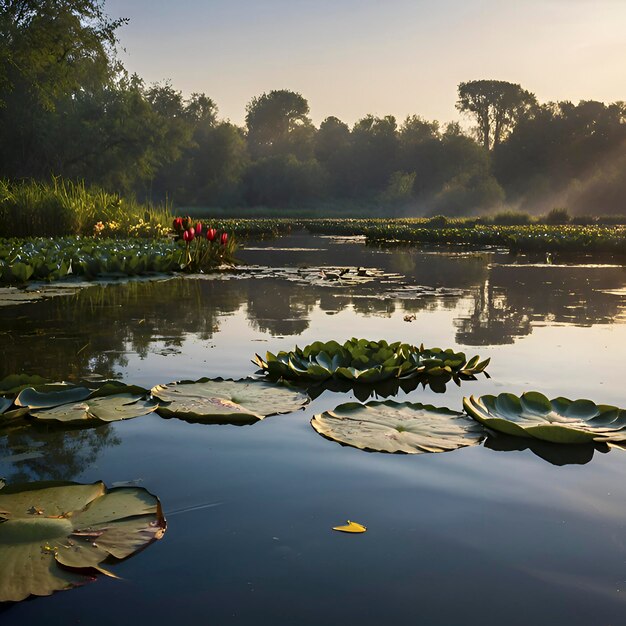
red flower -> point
(224, 239)
(178, 224)
(199, 228)
(189, 235)
(211, 233)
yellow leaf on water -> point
(351, 527)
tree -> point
(50, 50)
(374, 153)
(278, 123)
(50, 47)
(333, 151)
(497, 106)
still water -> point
(503, 533)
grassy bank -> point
(58, 208)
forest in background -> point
(69, 109)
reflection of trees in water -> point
(278, 307)
(91, 331)
(439, 269)
(514, 297)
(493, 320)
(65, 454)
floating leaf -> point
(370, 362)
(351, 527)
(63, 394)
(47, 525)
(559, 420)
(409, 428)
(110, 408)
(226, 401)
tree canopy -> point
(69, 108)
(496, 105)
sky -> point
(350, 58)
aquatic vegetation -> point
(22, 260)
(203, 251)
(72, 404)
(221, 401)
(514, 235)
(52, 259)
(409, 428)
(365, 361)
(56, 536)
(111, 408)
(559, 420)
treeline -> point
(68, 108)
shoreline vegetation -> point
(55, 231)
(84, 117)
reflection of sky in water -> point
(473, 536)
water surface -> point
(506, 532)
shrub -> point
(511, 218)
(557, 217)
(437, 221)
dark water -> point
(496, 534)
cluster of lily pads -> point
(49, 259)
(52, 259)
(364, 361)
(206, 400)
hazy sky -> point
(353, 57)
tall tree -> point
(50, 50)
(497, 106)
(52, 47)
(278, 123)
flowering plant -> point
(202, 251)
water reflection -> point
(31, 452)
(497, 300)
(554, 453)
(515, 297)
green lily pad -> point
(409, 428)
(559, 420)
(109, 408)
(370, 362)
(63, 394)
(221, 401)
(52, 534)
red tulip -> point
(224, 239)
(178, 224)
(211, 234)
(188, 235)
(199, 228)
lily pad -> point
(219, 401)
(62, 394)
(559, 420)
(109, 408)
(370, 362)
(409, 428)
(52, 534)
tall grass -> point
(62, 207)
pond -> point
(505, 532)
